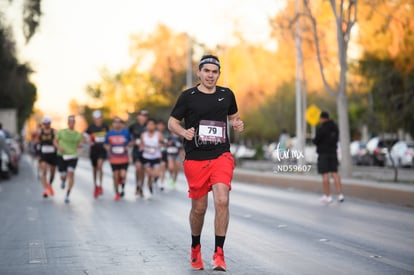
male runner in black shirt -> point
(208, 166)
(96, 134)
(47, 155)
(135, 130)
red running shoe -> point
(46, 192)
(100, 190)
(51, 191)
(117, 197)
(96, 192)
(218, 260)
(196, 259)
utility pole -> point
(300, 140)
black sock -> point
(219, 242)
(195, 240)
(68, 192)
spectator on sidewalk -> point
(326, 140)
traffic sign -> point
(312, 114)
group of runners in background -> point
(147, 144)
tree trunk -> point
(342, 102)
(344, 136)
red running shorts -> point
(203, 174)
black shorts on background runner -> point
(95, 154)
(136, 154)
(164, 157)
(63, 165)
(327, 163)
(122, 166)
(51, 159)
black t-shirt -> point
(207, 113)
(326, 138)
(46, 145)
(97, 135)
(135, 130)
(46, 138)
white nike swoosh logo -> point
(220, 99)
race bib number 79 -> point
(212, 131)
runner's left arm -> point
(107, 146)
(130, 142)
(80, 142)
(236, 122)
(161, 139)
(56, 143)
(141, 142)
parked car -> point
(12, 156)
(377, 148)
(5, 165)
(15, 153)
(359, 153)
(402, 153)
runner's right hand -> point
(189, 133)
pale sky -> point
(76, 38)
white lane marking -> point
(32, 214)
(37, 252)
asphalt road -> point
(272, 231)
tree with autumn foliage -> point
(388, 67)
(386, 37)
(153, 81)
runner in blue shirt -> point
(117, 141)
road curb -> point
(396, 194)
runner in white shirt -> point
(151, 142)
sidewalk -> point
(383, 192)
